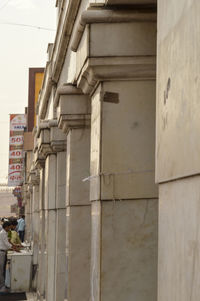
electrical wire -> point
(26, 25)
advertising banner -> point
(16, 156)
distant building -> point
(7, 201)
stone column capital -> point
(34, 177)
(130, 54)
(73, 108)
(50, 139)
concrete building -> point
(92, 181)
(94, 198)
(8, 202)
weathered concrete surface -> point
(178, 89)
(179, 240)
(177, 149)
(124, 221)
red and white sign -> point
(15, 178)
(16, 154)
(17, 140)
(15, 169)
(17, 122)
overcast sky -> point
(20, 48)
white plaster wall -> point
(179, 240)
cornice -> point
(51, 139)
(115, 68)
(34, 177)
(73, 108)
(100, 15)
(67, 89)
(67, 122)
(63, 35)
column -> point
(39, 164)
(61, 257)
(41, 256)
(35, 180)
(116, 66)
(50, 223)
(27, 198)
(74, 119)
(52, 143)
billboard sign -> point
(16, 161)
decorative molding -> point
(73, 108)
(34, 177)
(50, 139)
(117, 68)
(67, 122)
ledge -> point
(101, 69)
(66, 90)
(109, 16)
(67, 122)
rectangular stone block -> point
(125, 162)
(178, 123)
(122, 39)
(79, 245)
(50, 181)
(51, 254)
(124, 250)
(78, 166)
(61, 180)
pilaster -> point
(51, 147)
(73, 113)
(120, 78)
(34, 178)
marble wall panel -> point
(129, 250)
(79, 253)
(179, 240)
(122, 39)
(78, 166)
(61, 180)
(178, 89)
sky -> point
(21, 47)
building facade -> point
(93, 195)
